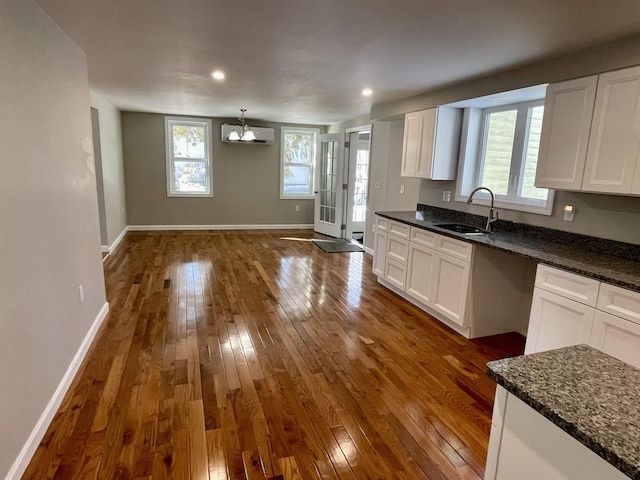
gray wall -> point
(246, 181)
(50, 242)
(112, 167)
(386, 142)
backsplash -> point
(625, 250)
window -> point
(297, 162)
(506, 156)
(188, 147)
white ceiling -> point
(307, 61)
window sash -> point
(518, 152)
(174, 160)
(284, 164)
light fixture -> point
(218, 75)
(367, 92)
(246, 134)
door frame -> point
(349, 175)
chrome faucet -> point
(493, 215)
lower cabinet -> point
(379, 247)
(607, 318)
(567, 309)
(454, 281)
(617, 337)
(557, 322)
(450, 287)
(420, 272)
(526, 446)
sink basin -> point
(463, 229)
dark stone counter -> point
(612, 262)
(588, 394)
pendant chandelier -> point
(245, 134)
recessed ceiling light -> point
(498, 99)
(367, 92)
(218, 75)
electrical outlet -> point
(401, 189)
(569, 212)
(297, 208)
(378, 185)
(81, 293)
(446, 196)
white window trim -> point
(471, 158)
(287, 129)
(200, 122)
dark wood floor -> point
(256, 355)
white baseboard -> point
(104, 248)
(117, 241)
(369, 250)
(24, 457)
(143, 228)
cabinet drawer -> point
(382, 224)
(423, 237)
(397, 248)
(455, 248)
(620, 302)
(569, 285)
(402, 230)
(395, 273)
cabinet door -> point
(450, 287)
(617, 337)
(420, 272)
(614, 143)
(410, 144)
(557, 322)
(428, 123)
(379, 249)
(568, 109)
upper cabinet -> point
(568, 108)
(431, 143)
(591, 134)
(614, 143)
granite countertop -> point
(613, 262)
(588, 394)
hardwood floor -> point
(256, 355)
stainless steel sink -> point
(462, 229)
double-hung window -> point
(188, 149)
(297, 162)
(506, 157)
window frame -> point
(169, 122)
(312, 171)
(472, 158)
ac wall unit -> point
(264, 136)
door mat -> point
(337, 246)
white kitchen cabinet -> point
(420, 272)
(454, 281)
(431, 142)
(556, 322)
(395, 273)
(614, 144)
(569, 309)
(450, 287)
(379, 249)
(568, 109)
(569, 285)
(527, 446)
(617, 337)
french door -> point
(329, 182)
